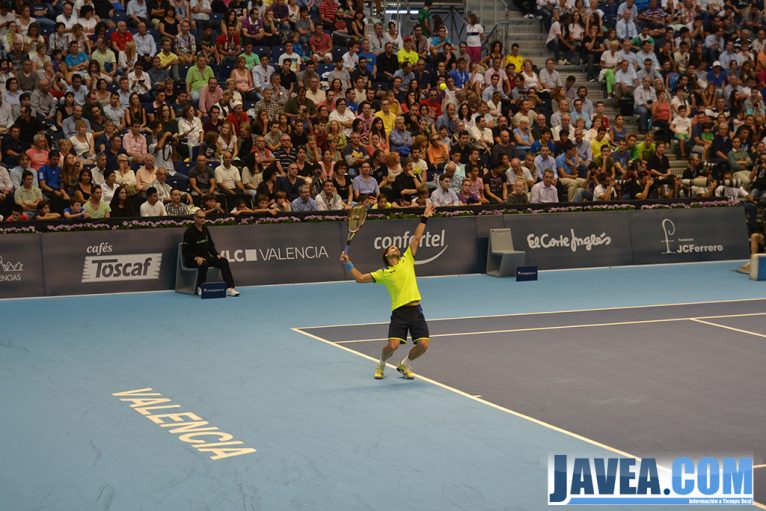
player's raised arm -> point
(415, 242)
(361, 278)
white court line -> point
(564, 327)
(475, 398)
(86, 295)
(520, 415)
(601, 309)
(755, 467)
(493, 405)
(640, 265)
(730, 328)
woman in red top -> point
(38, 153)
(237, 117)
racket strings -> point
(357, 217)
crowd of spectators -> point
(157, 108)
(692, 73)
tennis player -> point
(407, 316)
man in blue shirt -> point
(400, 138)
(439, 41)
(719, 151)
(622, 156)
(291, 183)
(567, 164)
(69, 125)
(422, 75)
(364, 183)
(76, 60)
(460, 75)
(176, 180)
(579, 113)
(406, 74)
(304, 202)
(367, 55)
(448, 119)
(49, 178)
(716, 76)
(13, 146)
(544, 140)
(79, 90)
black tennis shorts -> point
(408, 319)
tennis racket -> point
(356, 217)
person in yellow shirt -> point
(514, 58)
(393, 104)
(599, 141)
(386, 114)
(168, 59)
(407, 315)
(407, 53)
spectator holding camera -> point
(606, 188)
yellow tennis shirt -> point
(400, 281)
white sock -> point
(382, 363)
(406, 361)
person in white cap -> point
(716, 76)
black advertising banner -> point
(688, 235)
(110, 262)
(282, 253)
(448, 247)
(21, 268)
(144, 260)
(572, 240)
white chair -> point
(502, 259)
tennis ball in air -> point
(443, 86)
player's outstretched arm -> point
(415, 242)
(361, 278)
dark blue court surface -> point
(296, 423)
(594, 372)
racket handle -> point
(345, 250)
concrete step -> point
(518, 16)
(528, 39)
(521, 27)
(533, 52)
(514, 16)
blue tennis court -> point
(162, 401)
